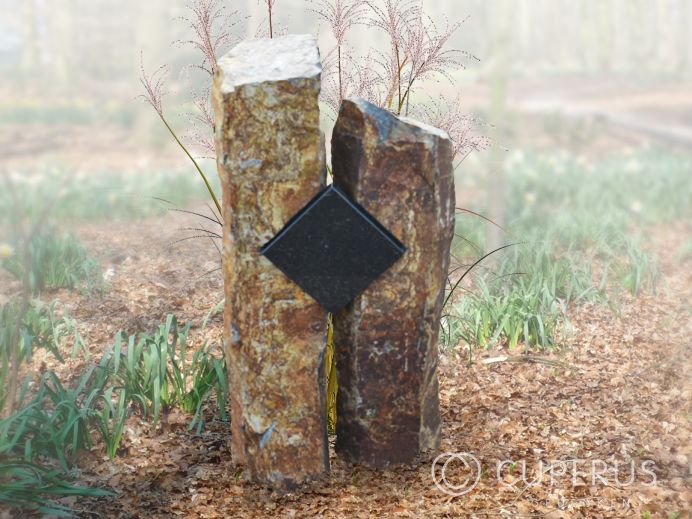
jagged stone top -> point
(386, 121)
(270, 59)
(425, 127)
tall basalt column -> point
(386, 339)
(271, 162)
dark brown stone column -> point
(386, 340)
(271, 162)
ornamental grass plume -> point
(341, 15)
(418, 52)
(153, 95)
(201, 132)
(394, 18)
(154, 85)
(211, 25)
(459, 125)
(425, 49)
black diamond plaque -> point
(333, 249)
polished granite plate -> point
(333, 249)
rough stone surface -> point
(386, 340)
(271, 162)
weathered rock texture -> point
(271, 162)
(386, 340)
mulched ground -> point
(618, 391)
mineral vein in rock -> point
(386, 340)
(271, 162)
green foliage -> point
(524, 300)
(121, 195)
(149, 372)
(30, 486)
(39, 328)
(575, 223)
(55, 422)
(636, 270)
(144, 371)
(42, 327)
(56, 261)
(605, 198)
(65, 112)
(156, 375)
(192, 383)
(111, 419)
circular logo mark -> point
(454, 466)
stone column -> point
(386, 340)
(270, 155)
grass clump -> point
(145, 373)
(31, 486)
(582, 236)
(54, 424)
(156, 374)
(38, 327)
(148, 373)
(63, 111)
(56, 260)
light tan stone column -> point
(270, 156)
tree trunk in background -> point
(30, 52)
(152, 33)
(496, 182)
(60, 17)
(685, 38)
(153, 17)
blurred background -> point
(592, 76)
(562, 73)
